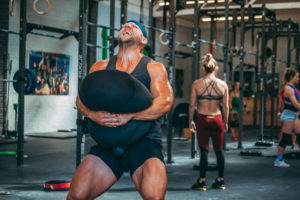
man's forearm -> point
(156, 110)
(81, 108)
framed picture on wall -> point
(52, 72)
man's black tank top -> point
(140, 72)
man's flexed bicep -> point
(100, 65)
(162, 93)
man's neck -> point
(128, 56)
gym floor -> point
(246, 177)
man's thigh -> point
(151, 179)
(91, 178)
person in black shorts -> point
(101, 168)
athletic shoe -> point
(280, 163)
(199, 186)
(235, 138)
(293, 146)
(219, 184)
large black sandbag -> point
(114, 91)
(117, 92)
(119, 136)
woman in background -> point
(288, 116)
(280, 109)
(209, 92)
(234, 99)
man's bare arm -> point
(101, 117)
(162, 92)
(100, 65)
(82, 108)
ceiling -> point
(283, 9)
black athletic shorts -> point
(135, 155)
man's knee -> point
(154, 193)
(77, 195)
(153, 197)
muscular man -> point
(101, 168)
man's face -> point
(130, 33)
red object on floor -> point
(57, 185)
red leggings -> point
(210, 126)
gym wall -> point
(50, 113)
(183, 35)
(47, 113)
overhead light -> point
(201, 2)
(192, 2)
(208, 19)
(163, 3)
(258, 17)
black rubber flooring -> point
(247, 177)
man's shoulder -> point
(157, 70)
(99, 65)
(155, 65)
(153, 62)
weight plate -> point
(30, 81)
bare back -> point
(210, 93)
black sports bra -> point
(209, 88)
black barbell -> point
(30, 81)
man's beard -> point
(128, 42)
